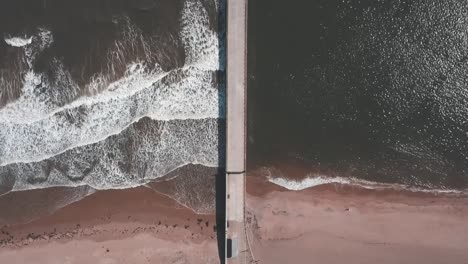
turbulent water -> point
(108, 94)
(373, 91)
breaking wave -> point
(146, 150)
(133, 121)
(317, 180)
(18, 41)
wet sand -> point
(118, 226)
(325, 224)
(343, 224)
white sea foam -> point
(201, 44)
(190, 98)
(18, 41)
(35, 127)
(308, 182)
(140, 153)
(201, 48)
(316, 180)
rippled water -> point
(108, 94)
(373, 90)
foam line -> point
(314, 181)
(33, 128)
(18, 41)
(144, 151)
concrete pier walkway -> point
(236, 244)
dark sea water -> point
(374, 90)
(109, 94)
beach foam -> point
(18, 41)
(143, 152)
(317, 180)
(35, 127)
(121, 132)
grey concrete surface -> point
(236, 85)
(236, 127)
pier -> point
(237, 248)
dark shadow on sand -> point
(221, 174)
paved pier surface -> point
(236, 128)
(236, 85)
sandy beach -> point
(325, 224)
(117, 226)
(341, 224)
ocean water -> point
(108, 94)
(360, 91)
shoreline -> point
(297, 176)
(330, 223)
(108, 222)
(347, 224)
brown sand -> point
(339, 224)
(327, 224)
(116, 226)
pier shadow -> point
(221, 173)
(221, 213)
